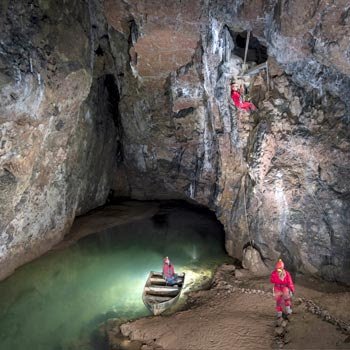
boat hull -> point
(157, 296)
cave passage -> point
(58, 300)
(256, 51)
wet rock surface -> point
(133, 98)
(56, 124)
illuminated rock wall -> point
(57, 149)
(134, 97)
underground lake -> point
(58, 300)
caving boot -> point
(279, 318)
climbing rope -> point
(267, 76)
(245, 204)
(246, 216)
(246, 50)
(254, 68)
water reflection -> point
(56, 301)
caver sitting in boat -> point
(169, 273)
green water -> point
(57, 301)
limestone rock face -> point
(57, 139)
(284, 200)
(167, 142)
(133, 96)
(253, 262)
(261, 174)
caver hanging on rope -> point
(236, 95)
(237, 90)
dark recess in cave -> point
(133, 37)
(256, 51)
(99, 51)
(160, 219)
(113, 99)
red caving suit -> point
(237, 100)
(168, 271)
(281, 289)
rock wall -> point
(57, 149)
(134, 97)
(276, 178)
(293, 198)
(167, 137)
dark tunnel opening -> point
(113, 99)
(256, 51)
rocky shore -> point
(237, 312)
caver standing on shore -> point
(283, 288)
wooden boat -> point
(157, 295)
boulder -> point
(253, 262)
